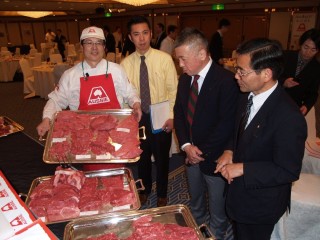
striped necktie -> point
(144, 86)
(193, 96)
(244, 119)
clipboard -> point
(159, 114)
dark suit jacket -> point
(162, 36)
(271, 148)
(216, 47)
(309, 78)
(110, 43)
(214, 115)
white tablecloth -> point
(303, 222)
(46, 77)
(7, 69)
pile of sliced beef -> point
(70, 193)
(144, 228)
(93, 134)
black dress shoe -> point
(162, 202)
(143, 198)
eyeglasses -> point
(91, 44)
(242, 74)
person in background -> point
(216, 43)
(161, 34)
(76, 84)
(157, 82)
(203, 120)
(110, 41)
(264, 156)
(128, 47)
(301, 76)
(61, 42)
(118, 38)
(49, 37)
(167, 43)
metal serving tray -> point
(14, 127)
(129, 183)
(118, 223)
(91, 158)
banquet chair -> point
(71, 51)
(37, 59)
(33, 51)
(28, 78)
(55, 58)
(5, 54)
(111, 56)
(17, 52)
(4, 49)
(32, 46)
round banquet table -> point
(303, 220)
(8, 68)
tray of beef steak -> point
(8, 126)
(170, 222)
(71, 194)
(108, 136)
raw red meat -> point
(120, 197)
(113, 181)
(128, 150)
(90, 203)
(104, 122)
(126, 129)
(109, 236)
(69, 176)
(65, 116)
(59, 150)
(44, 189)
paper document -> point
(159, 114)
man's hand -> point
(231, 171)
(137, 111)
(289, 83)
(168, 125)
(303, 110)
(43, 127)
(224, 159)
(193, 154)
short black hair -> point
(192, 37)
(264, 53)
(106, 28)
(312, 34)
(171, 28)
(161, 26)
(224, 23)
(136, 20)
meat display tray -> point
(90, 157)
(8, 126)
(119, 223)
(128, 181)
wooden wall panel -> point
(73, 32)
(280, 27)
(82, 25)
(27, 33)
(14, 34)
(3, 35)
(39, 34)
(255, 26)
(63, 27)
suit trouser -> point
(253, 231)
(207, 191)
(159, 145)
(317, 113)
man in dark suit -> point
(204, 140)
(216, 43)
(161, 34)
(266, 151)
(61, 42)
(110, 41)
(301, 76)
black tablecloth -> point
(21, 162)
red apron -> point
(98, 92)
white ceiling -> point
(88, 6)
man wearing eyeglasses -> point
(94, 83)
(301, 76)
(265, 154)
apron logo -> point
(19, 220)
(9, 206)
(3, 193)
(97, 96)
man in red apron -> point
(92, 84)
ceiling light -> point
(34, 14)
(137, 2)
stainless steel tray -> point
(7, 122)
(91, 158)
(117, 222)
(129, 183)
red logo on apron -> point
(97, 96)
(3, 193)
(9, 206)
(19, 220)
